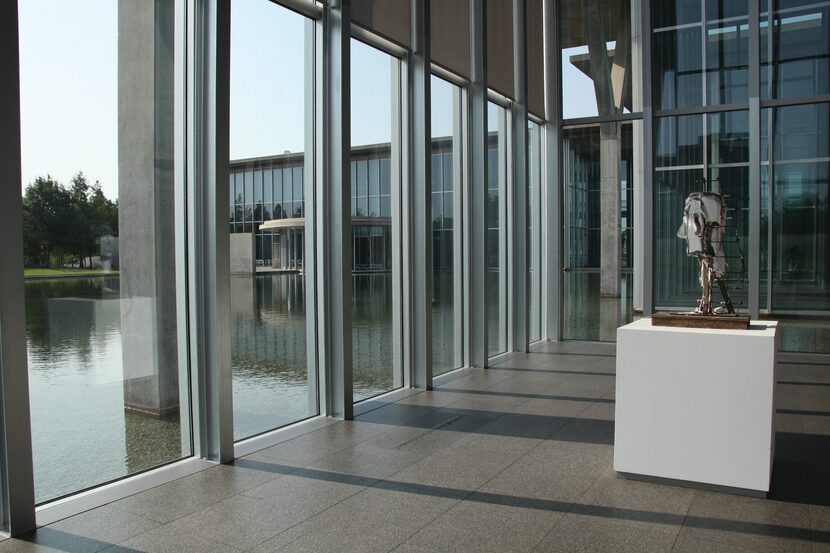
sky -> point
(69, 88)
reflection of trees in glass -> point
(62, 225)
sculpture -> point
(703, 227)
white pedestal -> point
(696, 404)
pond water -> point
(82, 435)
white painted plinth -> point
(696, 404)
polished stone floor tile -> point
(518, 457)
(171, 539)
(482, 525)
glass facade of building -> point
(173, 334)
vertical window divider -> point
(419, 214)
(399, 159)
(461, 218)
(507, 232)
(17, 496)
(477, 169)
(754, 78)
(312, 118)
(334, 310)
(648, 163)
(519, 210)
(209, 244)
(552, 293)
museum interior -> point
(415, 275)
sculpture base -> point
(697, 320)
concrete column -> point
(146, 207)
(610, 149)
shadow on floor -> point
(625, 514)
(800, 473)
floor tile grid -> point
(391, 478)
(439, 514)
(513, 463)
(482, 386)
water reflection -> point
(268, 349)
(81, 435)
(443, 323)
(373, 341)
(590, 316)
(77, 392)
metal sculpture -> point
(703, 227)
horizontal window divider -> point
(806, 100)
(797, 161)
(678, 27)
(498, 98)
(733, 19)
(577, 122)
(701, 110)
(386, 45)
(441, 71)
(597, 270)
(54, 511)
(796, 9)
(302, 7)
(818, 314)
(283, 434)
(727, 165)
(679, 168)
(535, 118)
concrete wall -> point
(242, 253)
(147, 218)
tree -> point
(60, 222)
(47, 221)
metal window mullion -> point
(519, 305)
(477, 170)
(506, 253)
(420, 210)
(209, 244)
(754, 77)
(648, 163)
(334, 241)
(460, 229)
(312, 105)
(181, 228)
(552, 289)
(17, 496)
(401, 313)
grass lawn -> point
(33, 272)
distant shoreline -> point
(57, 274)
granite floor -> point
(514, 458)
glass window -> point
(534, 230)
(700, 153)
(374, 177)
(497, 231)
(599, 283)
(297, 179)
(795, 214)
(107, 344)
(597, 76)
(700, 53)
(268, 306)
(362, 188)
(447, 327)
(376, 368)
(795, 57)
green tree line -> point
(62, 225)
